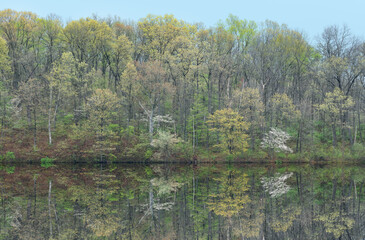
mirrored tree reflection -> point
(182, 202)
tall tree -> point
(153, 89)
(18, 29)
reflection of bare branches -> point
(276, 186)
(165, 187)
(167, 206)
(16, 219)
(146, 213)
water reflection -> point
(182, 202)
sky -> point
(307, 16)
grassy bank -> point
(18, 146)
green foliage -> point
(148, 171)
(197, 126)
(358, 150)
(47, 162)
(230, 157)
(243, 30)
(9, 156)
(322, 133)
(113, 127)
(67, 119)
(10, 169)
(184, 150)
(112, 157)
(299, 157)
(139, 151)
(278, 162)
(256, 154)
(148, 154)
(127, 132)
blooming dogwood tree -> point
(275, 140)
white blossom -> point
(276, 139)
(276, 186)
(163, 119)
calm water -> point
(182, 202)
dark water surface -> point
(182, 202)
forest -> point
(162, 89)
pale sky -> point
(308, 16)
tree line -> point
(110, 86)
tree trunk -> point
(3, 121)
(49, 209)
(150, 128)
(334, 139)
(35, 129)
(49, 117)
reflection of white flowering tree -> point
(276, 186)
(165, 188)
(275, 140)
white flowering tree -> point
(276, 186)
(164, 143)
(275, 140)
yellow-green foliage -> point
(232, 195)
(4, 59)
(336, 103)
(336, 223)
(231, 129)
(101, 107)
(283, 222)
(283, 109)
(250, 105)
(160, 31)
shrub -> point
(358, 150)
(256, 154)
(148, 154)
(112, 157)
(230, 158)
(10, 169)
(127, 132)
(47, 162)
(9, 156)
(139, 151)
(113, 127)
(184, 150)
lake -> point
(159, 201)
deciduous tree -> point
(231, 129)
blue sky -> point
(308, 16)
